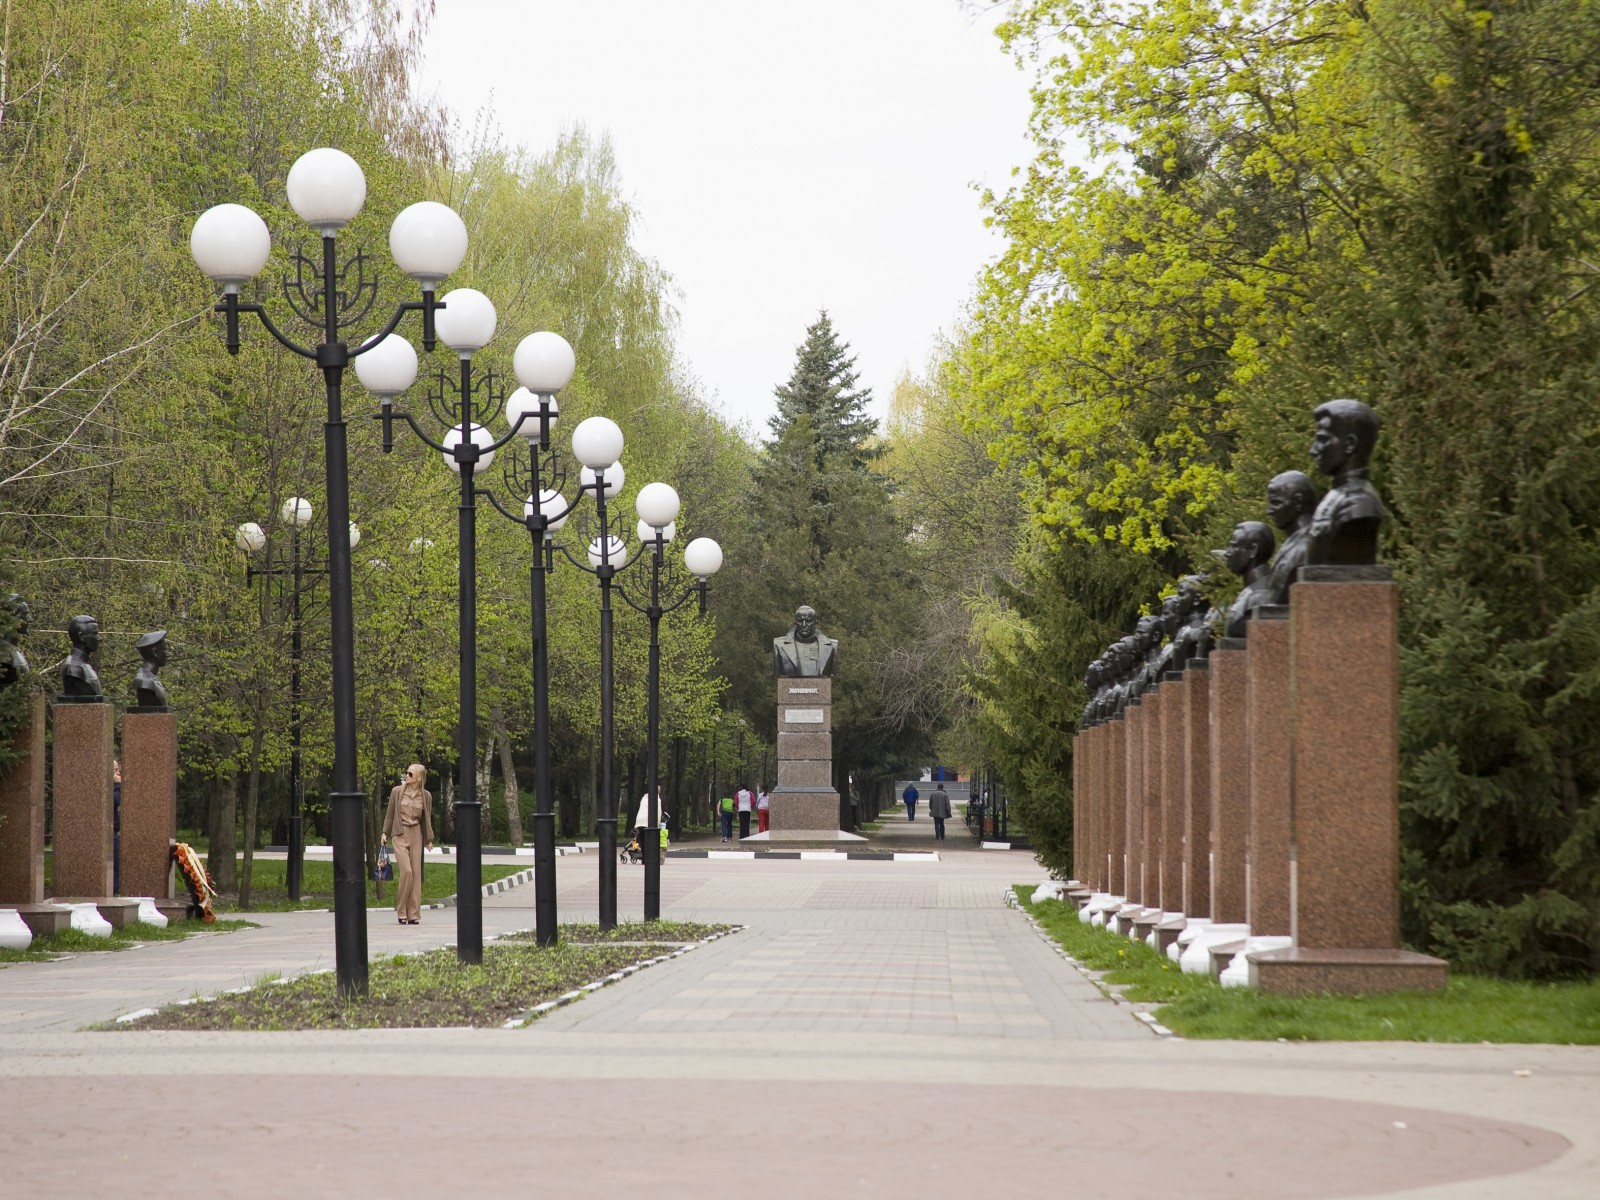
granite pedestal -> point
(22, 814)
(1116, 790)
(1344, 679)
(1267, 739)
(1172, 793)
(1197, 790)
(81, 820)
(149, 802)
(1150, 856)
(804, 804)
(1229, 782)
(1133, 794)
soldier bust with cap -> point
(149, 693)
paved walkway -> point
(881, 1028)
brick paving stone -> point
(882, 1028)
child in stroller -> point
(633, 854)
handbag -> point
(383, 872)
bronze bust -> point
(13, 663)
(1248, 554)
(1344, 529)
(804, 652)
(149, 694)
(1291, 501)
(79, 680)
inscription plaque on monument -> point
(803, 716)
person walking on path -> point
(910, 797)
(745, 802)
(409, 820)
(641, 821)
(939, 810)
(725, 809)
(763, 810)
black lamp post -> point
(231, 244)
(296, 514)
(464, 407)
(657, 504)
(597, 444)
(544, 363)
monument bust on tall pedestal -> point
(805, 805)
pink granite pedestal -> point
(1267, 742)
(81, 816)
(1344, 679)
(1116, 790)
(1229, 783)
(1172, 792)
(22, 814)
(149, 802)
(1150, 836)
(1197, 790)
(1133, 791)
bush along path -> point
(1471, 1009)
(517, 982)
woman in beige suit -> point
(410, 820)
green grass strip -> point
(75, 941)
(1470, 1009)
(270, 893)
(590, 933)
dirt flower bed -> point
(632, 931)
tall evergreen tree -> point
(823, 530)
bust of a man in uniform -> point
(13, 663)
(79, 680)
(1248, 556)
(148, 689)
(803, 651)
(1344, 529)
(1291, 500)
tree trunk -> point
(508, 773)
(485, 777)
(220, 861)
(447, 813)
(252, 805)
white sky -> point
(783, 156)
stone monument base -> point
(117, 911)
(1301, 972)
(44, 920)
(22, 815)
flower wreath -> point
(197, 881)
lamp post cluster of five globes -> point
(428, 242)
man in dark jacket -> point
(939, 810)
(910, 797)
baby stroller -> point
(631, 853)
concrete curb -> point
(1147, 1018)
(814, 855)
(566, 998)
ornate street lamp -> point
(657, 505)
(597, 444)
(464, 407)
(230, 243)
(251, 540)
(543, 363)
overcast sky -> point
(783, 158)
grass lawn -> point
(431, 989)
(75, 941)
(1470, 1009)
(269, 893)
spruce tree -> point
(823, 530)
